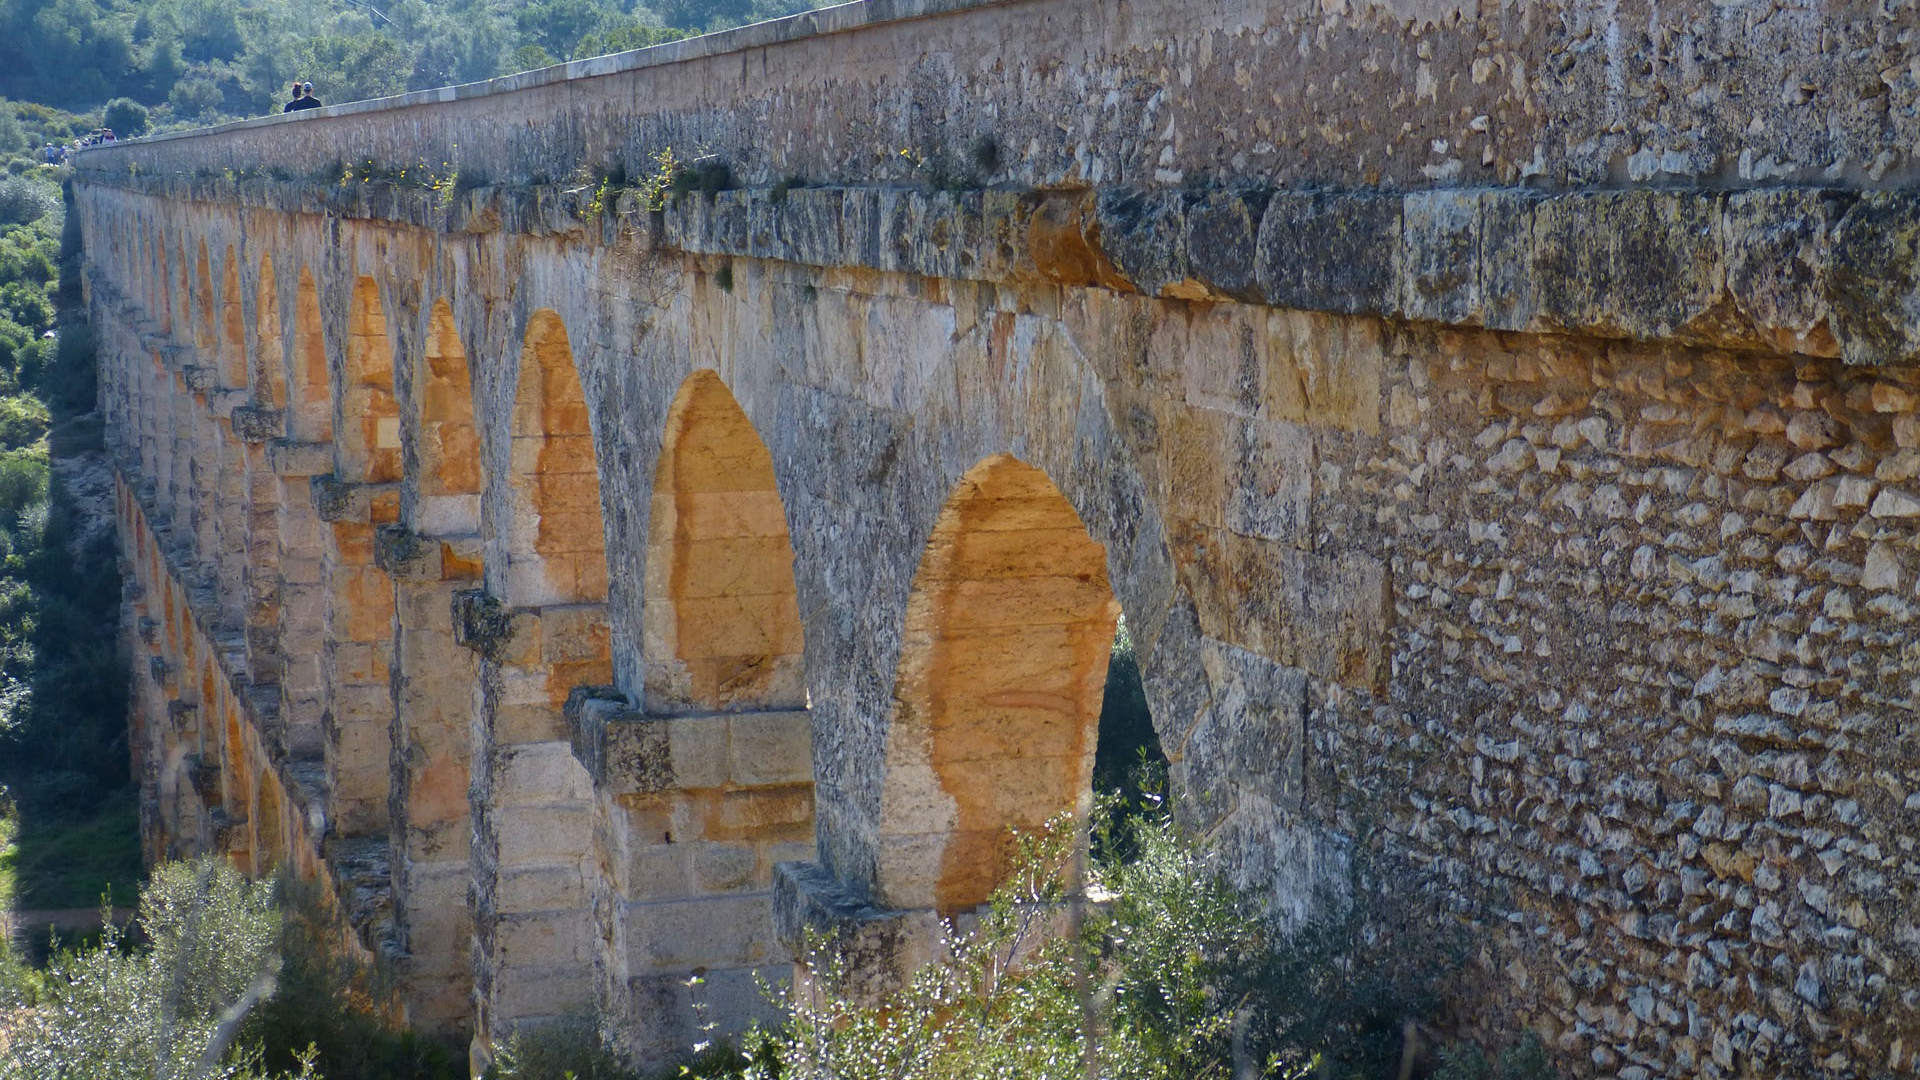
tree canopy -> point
(199, 61)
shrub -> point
(170, 1008)
(329, 1009)
(24, 200)
(1177, 975)
(23, 482)
(126, 117)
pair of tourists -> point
(302, 98)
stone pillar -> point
(302, 630)
(432, 823)
(532, 809)
(358, 619)
(695, 812)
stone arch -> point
(233, 327)
(270, 372)
(557, 542)
(202, 299)
(997, 700)
(270, 841)
(369, 421)
(163, 284)
(312, 396)
(721, 617)
(449, 443)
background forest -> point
(179, 63)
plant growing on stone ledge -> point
(1174, 974)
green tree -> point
(172, 1008)
(195, 97)
(125, 116)
(559, 25)
(13, 138)
(343, 68)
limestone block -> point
(1143, 234)
(770, 748)
(538, 772)
(1222, 243)
(1325, 613)
(1778, 244)
(1327, 252)
(1873, 283)
(879, 947)
(723, 867)
(538, 888)
(809, 224)
(717, 931)
(1628, 263)
(1440, 256)
(550, 836)
(697, 750)
(300, 459)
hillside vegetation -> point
(191, 62)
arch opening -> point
(312, 398)
(370, 417)
(270, 842)
(202, 294)
(1003, 665)
(270, 379)
(233, 329)
(449, 443)
(557, 542)
(721, 621)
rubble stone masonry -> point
(1499, 427)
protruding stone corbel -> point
(253, 424)
(158, 667)
(149, 630)
(183, 715)
(404, 553)
(484, 624)
(199, 378)
(880, 949)
(615, 744)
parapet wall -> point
(1219, 93)
(647, 583)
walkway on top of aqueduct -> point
(1496, 423)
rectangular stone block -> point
(770, 748)
(719, 931)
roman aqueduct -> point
(1496, 424)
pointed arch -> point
(997, 700)
(370, 417)
(558, 545)
(449, 444)
(233, 327)
(269, 351)
(722, 616)
(312, 394)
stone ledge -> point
(879, 948)
(628, 752)
(1805, 270)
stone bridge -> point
(1496, 424)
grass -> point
(50, 864)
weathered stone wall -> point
(599, 595)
